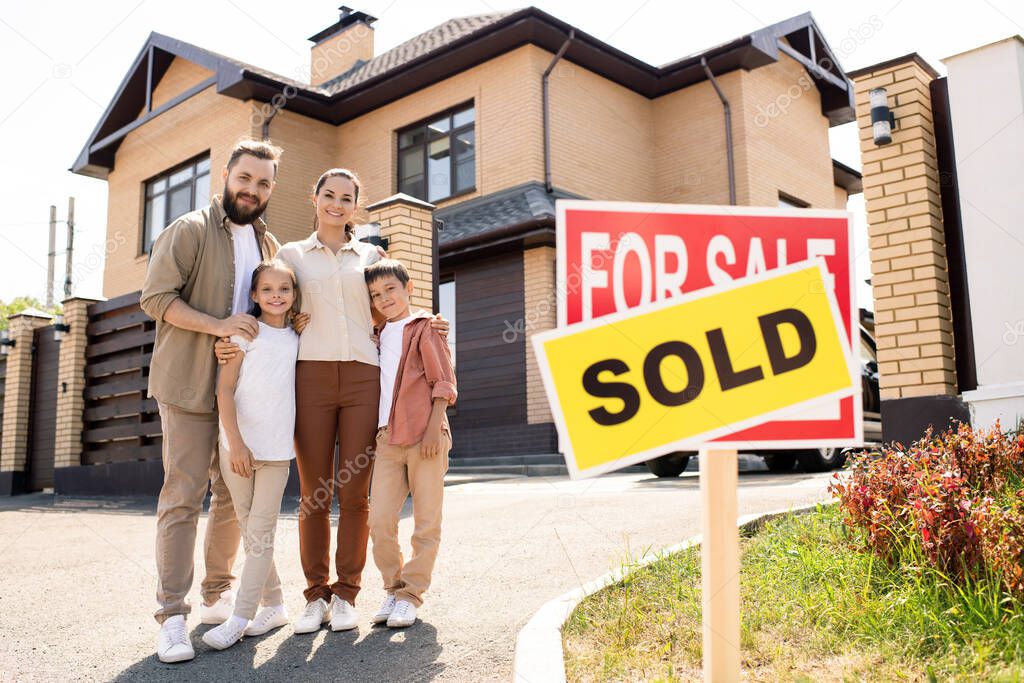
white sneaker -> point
(316, 613)
(343, 615)
(403, 615)
(386, 608)
(220, 611)
(268, 619)
(227, 634)
(172, 643)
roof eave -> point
(526, 26)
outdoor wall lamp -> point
(60, 328)
(370, 233)
(882, 119)
(6, 343)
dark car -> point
(814, 459)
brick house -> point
(483, 121)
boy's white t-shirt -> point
(390, 357)
(265, 393)
(247, 257)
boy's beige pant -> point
(397, 472)
(257, 502)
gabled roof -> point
(447, 49)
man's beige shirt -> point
(334, 294)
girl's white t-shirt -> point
(265, 393)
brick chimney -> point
(341, 46)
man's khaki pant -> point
(397, 472)
(191, 468)
(257, 502)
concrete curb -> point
(539, 657)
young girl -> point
(256, 400)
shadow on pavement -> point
(746, 479)
(125, 505)
(382, 655)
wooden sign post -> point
(720, 565)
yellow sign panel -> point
(672, 375)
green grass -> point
(813, 609)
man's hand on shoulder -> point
(241, 324)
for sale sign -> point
(675, 374)
(614, 256)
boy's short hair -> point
(385, 267)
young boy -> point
(417, 383)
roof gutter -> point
(495, 235)
(728, 130)
(547, 106)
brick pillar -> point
(540, 308)
(908, 252)
(17, 397)
(914, 329)
(408, 225)
(67, 450)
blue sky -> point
(63, 62)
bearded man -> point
(197, 290)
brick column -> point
(408, 225)
(540, 308)
(17, 397)
(914, 331)
(67, 450)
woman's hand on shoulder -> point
(300, 321)
(440, 325)
(225, 350)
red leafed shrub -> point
(955, 500)
(1002, 539)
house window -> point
(437, 158)
(446, 307)
(174, 193)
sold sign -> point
(614, 256)
(675, 374)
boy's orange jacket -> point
(424, 373)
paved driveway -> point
(77, 579)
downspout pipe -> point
(546, 104)
(266, 124)
(728, 130)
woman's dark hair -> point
(338, 173)
(274, 264)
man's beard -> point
(238, 214)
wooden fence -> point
(120, 423)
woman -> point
(337, 390)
